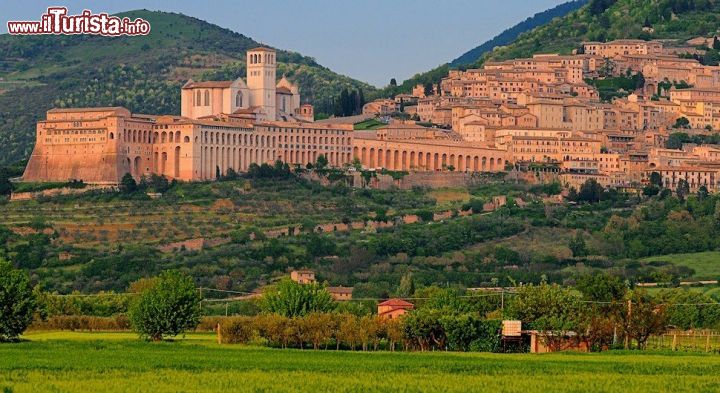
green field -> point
(706, 264)
(118, 362)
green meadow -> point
(706, 264)
(119, 362)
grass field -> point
(706, 264)
(118, 362)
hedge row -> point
(416, 331)
(83, 323)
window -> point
(239, 99)
(207, 97)
(198, 102)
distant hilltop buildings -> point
(529, 114)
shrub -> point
(168, 308)
(237, 330)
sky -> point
(370, 40)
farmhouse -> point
(393, 308)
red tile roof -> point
(396, 303)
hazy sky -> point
(371, 40)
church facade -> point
(260, 98)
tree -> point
(549, 308)
(5, 185)
(590, 191)
(128, 184)
(169, 307)
(656, 179)
(292, 299)
(428, 89)
(683, 189)
(650, 190)
(702, 193)
(698, 310)
(18, 302)
(601, 287)
(577, 245)
(716, 43)
(321, 163)
(639, 80)
(642, 317)
(682, 122)
(407, 285)
(393, 82)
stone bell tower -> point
(261, 69)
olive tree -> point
(18, 302)
(170, 306)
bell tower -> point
(261, 69)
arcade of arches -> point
(424, 156)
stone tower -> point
(261, 79)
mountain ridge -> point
(508, 35)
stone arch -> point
(476, 164)
(372, 162)
(137, 166)
(163, 163)
(176, 167)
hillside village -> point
(546, 112)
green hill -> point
(143, 74)
(605, 20)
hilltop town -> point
(201, 211)
(605, 112)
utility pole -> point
(502, 301)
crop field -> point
(118, 362)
